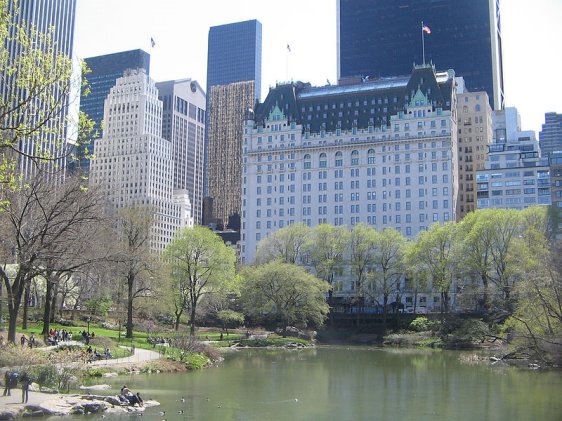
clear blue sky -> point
(531, 32)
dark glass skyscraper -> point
(234, 54)
(381, 38)
(104, 72)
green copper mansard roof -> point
(360, 105)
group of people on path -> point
(31, 342)
(11, 381)
(55, 336)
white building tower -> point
(133, 162)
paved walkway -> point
(139, 355)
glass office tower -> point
(382, 38)
(234, 54)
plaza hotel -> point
(381, 152)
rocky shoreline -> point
(60, 405)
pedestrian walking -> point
(25, 382)
(23, 339)
(7, 383)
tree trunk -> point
(330, 303)
(14, 295)
(192, 322)
(485, 296)
(178, 317)
(130, 298)
(47, 309)
(12, 324)
(26, 297)
(54, 298)
(384, 304)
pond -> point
(350, 383)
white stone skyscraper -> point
(184, 126)
(133, 163)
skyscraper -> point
(550, 137)
(49, 25)
(133, 163)
(383, 38)
(104, 71)
(234, 54)
(234, 59)
(229, 105)
(184, 126)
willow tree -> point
(284, 292)
(435, 253)
(200, 264)
(388, 265)
(361, 254)
(286, 244)
(326, 248)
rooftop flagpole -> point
(423, 44)
(424, 29)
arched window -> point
(371, 156)
(323, 161)
(339, 159)
(355, 157)
(307, 163)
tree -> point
(434, 251)
(326, 248)
(361, 258)
(285, 292)
(388, 264)
(200, 264)
(537, 319)
(46, 228)
(286, 244)
(35, 97)
(135, 262)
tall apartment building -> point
(381, 152)
(474, 135)
(234, 55)
(134, 164)
(56, 18)
(381, 38)
(184, 126)
(555, 160)
(229, 105)
(104, 71)
(550, 137)
(514, 175)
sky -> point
(531, 34)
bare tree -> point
(47, 227)
(135, 261)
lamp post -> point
(88, 325)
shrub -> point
(420, 324)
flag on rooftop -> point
(288, 48)
(426, 29)
(152, 42)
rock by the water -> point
(96, 387)
(109, 375)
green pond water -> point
(348, 383)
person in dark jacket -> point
(25, 382)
